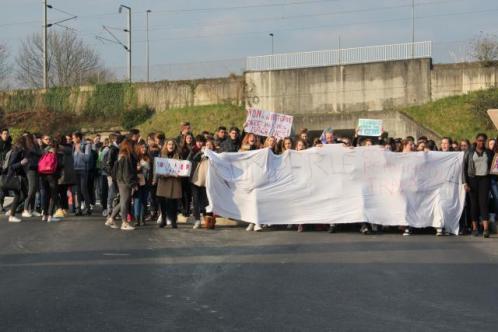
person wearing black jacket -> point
(232, 142)
(15, 175)
(33, 154)
(49, 182)
(125, 171)
(476, 166)
(5, 146)
(110, 157)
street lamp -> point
(128, 29)
(271, 35)
(147, 42)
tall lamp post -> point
(147, 41)
(128, 29)
(272, 49)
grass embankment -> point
(200, 117)
(458, 116)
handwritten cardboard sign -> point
(172, 167)
(266, 123)
(370, 127)
(493, 114)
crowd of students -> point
(50, 177)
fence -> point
(340, 56)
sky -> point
(207, 37)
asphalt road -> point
(78, 275)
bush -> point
(136, 116)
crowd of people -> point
(50, 177)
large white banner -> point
(334, 184)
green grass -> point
(200, 117)
(459, 116)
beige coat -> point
(169, 187)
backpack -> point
(5, 165)
(48, 163)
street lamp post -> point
(128, 29)
(45, 61)
(147, 42)
(272, 49)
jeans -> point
(139, 201)
(29, 203)
(124, 202)
(169, 209)
(186, 196)
(82, 189)
(19, 196)
(111, 194)
(49, 185)
(200, 200)
(494, 193)
(479, 198)
(63, 199)
(103, 189)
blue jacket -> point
(82, 158)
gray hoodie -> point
(82, 158)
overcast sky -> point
(191, 31)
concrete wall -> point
(460, 78)
(395, 123)
(341, 89)
(159, 95)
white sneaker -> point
(250, 228)
(53, 219)
(110, 223)
(26, 214)
(439, 232)
(168, 222)
(407, 232)
(127, 227)
(44, 218)
(258, 228)
(14, 219)
(197, 224)
(104, 213)
(159, 219)
(7, 214)
(36, 214)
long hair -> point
(138, 151)
(245, 141)
(174, 154)
(126, 148)
(21, 143)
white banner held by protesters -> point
(172, 167)
(334, 184)
(266, 123)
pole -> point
(413, 28)
(339, 38)
(45, 48)
(272, 46)
(147, 43)
(129, 44)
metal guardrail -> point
(340, 56)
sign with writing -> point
(266, 123)
(172, 167)
(369, 127)
(493, 114)
(494, 166)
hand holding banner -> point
(266, 123)
(172, 167)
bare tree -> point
(70, 61)
(485, 49)
(4, 66)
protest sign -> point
(334, 184)
(172, 167)
(493, 114)
(494, 166)
(369, 127)
(266, 123)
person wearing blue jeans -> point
(81, 156)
